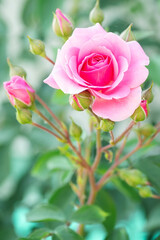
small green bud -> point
(147, 130)
(75, 131)
(96, 14)
(133, 177)
(37, 47)
(15, 70)
(24, 116)
(148, 94)
(81, 101)
(109, 155)
(62, 26)
(127, 34)
(145, 192)
(141, 113)
(106, 125)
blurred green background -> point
(21, 146)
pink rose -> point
(17, 88)
(111, 69)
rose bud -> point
(141, 113)
(24, 116)
(133, 177)
(106, 125)
(75, 131)
(81, 101)
(145, 192)
(37, 47)
(16, 70)
(148, 94)
(20, 94)
(96, 14)
(127, 34)
(109, 155)
(62, 26)
(147, 130)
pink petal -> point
(118, 110)
(135, 76)
(138, 56)
(51, 82)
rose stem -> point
(99, 152)
(49, 122)
(48, 59)
(49, 110)
(120, 137)
(45, 129)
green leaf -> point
(153, 221)
(150, 166)
(64, 198)
(89, 214)
(51, 162)
(105, 202)
(40, 233)
(65, 233)
(139, 35)
(119, 234)
(45, 212)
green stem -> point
(99, 153)
(49, 122)
(46, 129)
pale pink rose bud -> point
(20, 94)
(81, 101)
(141, 113)
(62, 26)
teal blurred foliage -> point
(24, 184)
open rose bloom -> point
(111, 69)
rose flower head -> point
(20, 94)
(101, 62)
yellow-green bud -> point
(141, 113)
(24, 116)
(37, 47)
(127, 34)
(148, 94)
(15, 70)
(96, 14)
(109, 155)
(106, 125)
(62, 26)
(133, 177)
(75, 131)
(147, 130)
(81, 101)
(145, 192)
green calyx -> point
(37, 47)
(15, 70)
(96, 14)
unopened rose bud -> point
(148, 94)
(147, 130)
(20, 94)
(24, 116)
(127, 34)
(141, 113)
(15, 70)
(37, 47)
(62, 26)
(106, 125)
(81, 101)
(145, 192)
(75, 131)
(109, 155)
(96, 14)
(133, 177)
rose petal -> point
(118, 110)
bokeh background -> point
(21, 146)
